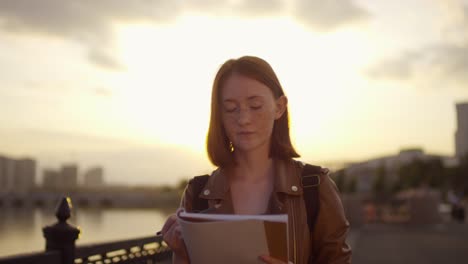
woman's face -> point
(249, 111)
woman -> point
(248, 140)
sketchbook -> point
(216, 238)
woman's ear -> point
(281, 104)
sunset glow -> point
(363, 79)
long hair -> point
(217, 141)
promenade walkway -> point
(400, 243)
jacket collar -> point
(287, 180)
(288, 177)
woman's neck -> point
(252, 167)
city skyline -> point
(25, 174)
(131, 82)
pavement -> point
(404, 243)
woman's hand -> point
(271, 260)
(172, 235)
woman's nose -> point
(245, 116)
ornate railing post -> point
(61, 236)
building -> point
(6, 174)
(365, 172)
(24, 174)
(51, 179)
(17, 175)
(69, 176)
(94, 177)
(461, 135)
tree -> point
(352, 185)
(379, 186)
(410, 175)
(380, 180)
(340, 180)
(435, 173)
(182, 184)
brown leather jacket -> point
(326, 242)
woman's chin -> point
(250, 147)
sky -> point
(127, 84)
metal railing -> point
(60, 247)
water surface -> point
(21, 229)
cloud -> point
(453, 59)
(260, 8)
(399, 67)
(92, 23)
(328, 15)
(86, 21)
(446, 60)
(443, 61)
(322, 15)
(82, 18)
(104, 60)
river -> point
(21, 229)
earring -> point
(231, 147)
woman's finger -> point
(175, 241)
(171, 220)
(170, 237)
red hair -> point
(217, 140)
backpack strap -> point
(310, 181)
(198, 184)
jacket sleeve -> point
(329, 236)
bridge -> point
(92, 198)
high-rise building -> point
(6, 174)
(94, 177)
(24, 174)
(461, 135)
(69, 176)
(51, 179)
